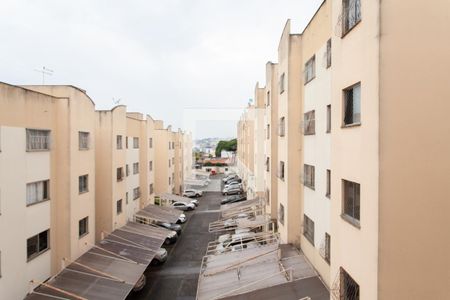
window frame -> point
(309, 122)
(328, 53)
(48, 141)
(346, 28)
(356, 203)
(38, 246)
(119, 207)
(328, 187)
(281, 213)
(282, 127)
(281, 83)
(86, 221)
(45, 187)
(308, 228)
(327, 254)
(79, 184)
(310, 65)
(328, 128)
(119, 174)
(119, 142)
(135, 142)
(84, 136)
(281, 170)
(345, 103)
(309, 176)
(135, 168)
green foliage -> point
(230, 145)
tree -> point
(230, 145)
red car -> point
(213, 172)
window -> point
(327, 248)
(282, 83)
(268, 131)
(351, 201)
(83, 184)
(119, 141)
(349, 289)
(281, 214)
(281, 170)
(150, 188)
(150, 142)
(328, 193)
(38, 192)
(309, 176)
(83, 227)
(135, 143)
(83, 140)
(308, 229)
(328, 53)
(135, 168)
(119, 174)
(267, 164)
(351, 14)
(170, 180)
(38, 140)
(119, 206)
(136, 193)
(352, 105)
(309, 126)
(310, 69)
(267, 197)
(328, 118)
(150, 165)
(126, 197)
(173, 145)
(38, 244)
(126, 142)
(127, 170)
(268, 99)
(281, 127)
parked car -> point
(191, 193)
(233, 199)
(229, 177)
(222, 238)
(232, 190)
(234, 180)
(232, 183)
(183, 206)
(160, 257)
(140, 284)
(171, 238)
(249, 245)
(234, 177)
(181, 219)
(232, 221)
(170, 226)
(236, 241)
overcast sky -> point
(167, 58)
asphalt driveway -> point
(177, 277)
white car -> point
(181, 219)
(191, 193)
(227, 186)
(183, 206)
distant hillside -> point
(230, 145)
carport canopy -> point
(158, 213)
(232, 209)
(174, 198)
(109, 270)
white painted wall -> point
(17, 221)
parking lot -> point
(177, 277)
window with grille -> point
(327, 248)
(348, 288)
(38, 191)
(328, 53)
(309, 127)
(309, 176)
(83, 184)
(268, 131)
(282, 83)
(119, 174)
(119, 206)
(126, 197)
(267, 164)
(135, 143)
(135, 168)
(308, 229)
(281, 127)
(328, 192)
(38, 140)
(126, 142)
(136, 193)
(83, 140)
(83, 227)
(281, 214)
(310, 69)
(38, 244)
(119, 142)
(351, 201)
(281, 170)
(150, 165)
(352, 105)
(328, 118)
(150, 142)
(351, 14)
(127, 170)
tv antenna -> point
(116, 101)
(45, 71)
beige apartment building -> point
(47, 182)
(124, 164)
(164, 159)
(364, 194)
